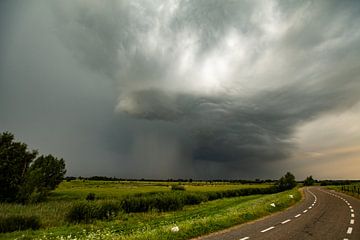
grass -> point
(352, 189)
(192, 220)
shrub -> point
(194, 198)
(167, 202)
(107, 210)
(82, 212)
(177, 188)
(137, 203)
(17, 223)
(88, 211)
(90, 197)
(161, 202)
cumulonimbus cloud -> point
(238, 76)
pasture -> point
(208, 207)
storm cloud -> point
(204, 89)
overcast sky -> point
(185, 89)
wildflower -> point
(273, 205)
(291, 196)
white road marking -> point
(305, 211)
(345, 239)
(350, 206)
(310, 207)
(351, 210)
(352, 215)
(298, 215)
(268, 229)
(349, 231)
(352, 221)
(286, 221)
(244, 238)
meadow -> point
(201, 208)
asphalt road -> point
(322, 215)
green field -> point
(192, 220)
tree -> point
(309, 181)
(14, 164)
(286, 182)
(44, 175)
(23, 179)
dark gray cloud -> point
(206, 89)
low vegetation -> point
(350, 189)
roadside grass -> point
(192, 220)
(351, 190)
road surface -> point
(322, 215)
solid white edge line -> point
(298, 215)
(352, 221)
(268, 229)
(244, 238)
(349, 230)
(286, 221)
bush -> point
(88, 211)
(82, 212)
(177, 188)
(194, 198)
(17, 223)
(160, 201)
(90, 197)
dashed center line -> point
(298, 215)
(352, 221)
(305, 211)
(267, 229)
(286, 221)
(244, 238)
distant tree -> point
(286, 182)
(309, 181)
(23, 179)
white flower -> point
(291, 196)
(175, 229)
(273, 205)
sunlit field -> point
(193, 219)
